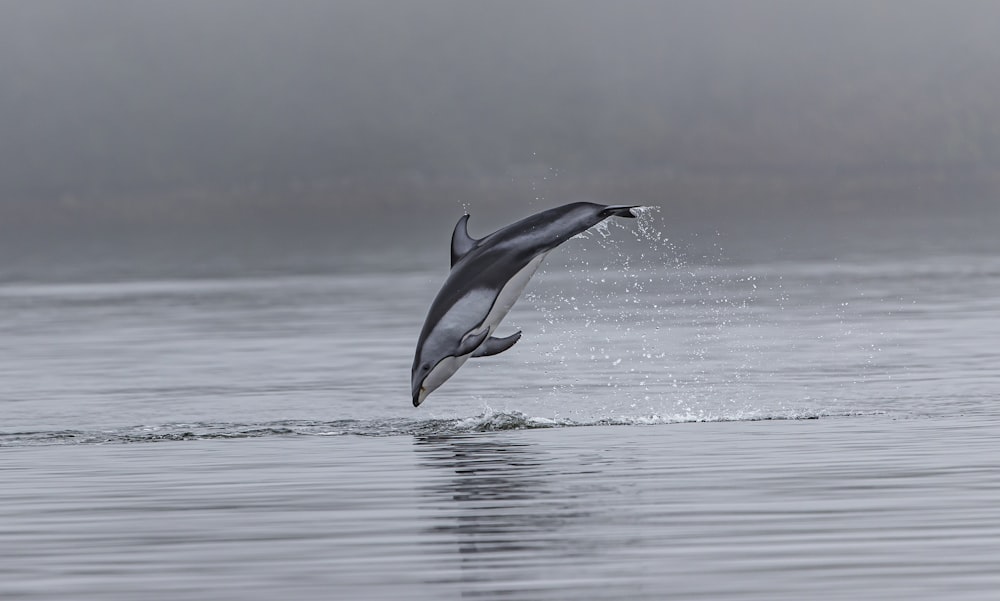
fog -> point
(205, 112)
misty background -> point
(163, 126)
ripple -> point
(488, 421)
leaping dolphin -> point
(487, 276)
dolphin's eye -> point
(425, 366)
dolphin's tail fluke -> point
(618, 211)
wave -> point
(488, 421)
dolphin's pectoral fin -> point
(461, 241)
(495, 346)
(471, 342)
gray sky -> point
(105, 99)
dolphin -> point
(487, 276)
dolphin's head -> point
(418, 378)
(431, 370)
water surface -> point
(719, 418)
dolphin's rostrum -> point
(487, 276)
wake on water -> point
(487, 421)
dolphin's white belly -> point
(470, 307)
(509, 294)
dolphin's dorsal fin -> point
(495, 346)
(461, 241)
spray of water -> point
(645, 331)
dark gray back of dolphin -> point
(484, 266)
(491, 261)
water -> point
(740, 415)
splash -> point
(648, 326)
(487, 421)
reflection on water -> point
(496, 501)
(484, 469)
